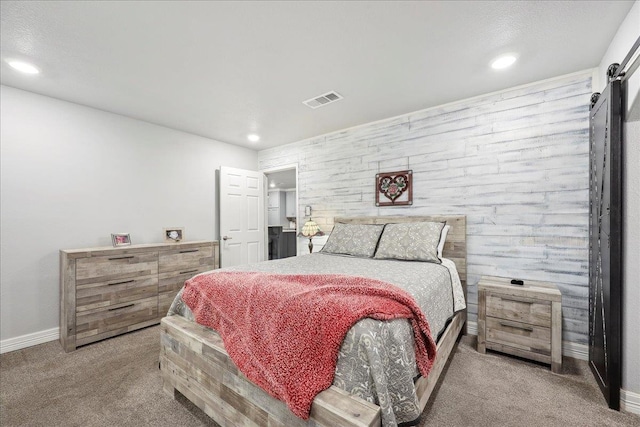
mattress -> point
(377, 360)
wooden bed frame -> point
(194, 362)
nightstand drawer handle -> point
(122, 257)
(515, 300)
(515, 325)
(188, 271)
(188, 251)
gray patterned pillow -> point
(353, 239)
(412, 241)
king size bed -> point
(377, 380)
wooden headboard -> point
(455, 247)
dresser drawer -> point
(165, 300)
(519, 309)
(531, 338)
(172, 281)
(186, 258)
(115, 267)
(105, 294)
(169, 285)
(92, 325)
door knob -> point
(227, 238)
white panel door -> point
(242, 217)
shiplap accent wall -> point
(515, 162)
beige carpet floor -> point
(116, 383)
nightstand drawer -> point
(536, 339)
(519, 309)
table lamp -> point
(310, 229)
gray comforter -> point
(377, 360)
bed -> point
(194, 361)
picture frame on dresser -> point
(173, 234)
(120, 239)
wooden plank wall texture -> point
(515, 162)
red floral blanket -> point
(284, 332)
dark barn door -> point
(605, 242)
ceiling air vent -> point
(323, 99)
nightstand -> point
(524, 321)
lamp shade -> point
(311, 229)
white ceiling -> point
(226, 69)
(284, 180)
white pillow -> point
(443, 238)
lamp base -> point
(310, 245)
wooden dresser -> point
(108, 291)
(524, 321)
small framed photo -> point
(174, 234)
(121, 239)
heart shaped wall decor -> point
(395, 187)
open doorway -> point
(282, 211)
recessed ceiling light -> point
(23, 67)
(272, 185)
(253, 137)
(503, 62)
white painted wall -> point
(627, 34)
(72, 175)
(515, 162)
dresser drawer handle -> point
(515, 300)
(188, 271)
(122, 257)
(514, 325)
(121, 283)
(189, 250)
(120, 308)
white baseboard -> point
(472, 328)
(575, 350)
(569, 349)
(630, 401)
(24, 341)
